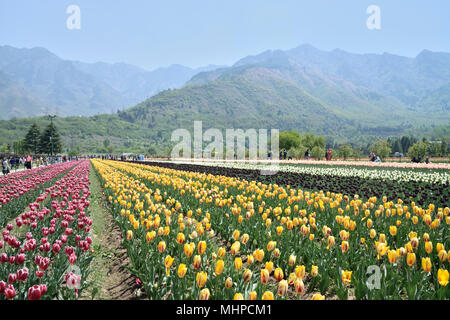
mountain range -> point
(352, 97)
(35, 82)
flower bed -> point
(45, 255)
(193, 235)
(435, 189)
(17, 194)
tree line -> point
(298, 145)
(36, 141)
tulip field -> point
(48, 235)
(192, 234)
(224, 232)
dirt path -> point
(110, 279)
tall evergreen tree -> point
(50, 134)
(32, 139)
(397, 147)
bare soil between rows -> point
(110, 277)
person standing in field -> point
(328, 155)
(5, 166)
(28, 162)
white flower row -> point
(433, 177)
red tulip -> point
(22, 274)
(34, 293)
(72, 258)
(43, 289)
(9, 292)
(12, 278)
(3, 285)
(39, 273)
(20, 258)
(56, 248)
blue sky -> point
(151, 34)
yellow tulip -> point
(197, 262)
(205, 294)
(331, 242)
(267, 296)
(201, 279)
(299, 286)
(235, 247)
(300, 271)
(228, 283)
(411, 259)
(253, 295)
(182, 269)
(392, 256)
(442, 255)
(245, 237)
(443, 276)
(278, 274)
(129, 235)
(168, 261)
(282, 288)
(188, 250)
(247, 275)
(221, 252)
(269, 266)
(238, 263)
(161, 246)
(258, 254)
(318, 296)
(414, 242)
(180, 238)
(265, 274)
(276, 253)
(292, 259)
(219, 267)
(346, 276)
(428, 247)
(271, 245)
(238, 296)
(344, 246)
(201, 247)
(426, 264)
(150, 236)
(393, 230)
(314, 271)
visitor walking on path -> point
(5, 166)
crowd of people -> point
(16, 162)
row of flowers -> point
(420, 192)
(349, 163)
(45, 254)
(431, 177)
(20, 175)
(18, 192)
(227, 238)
